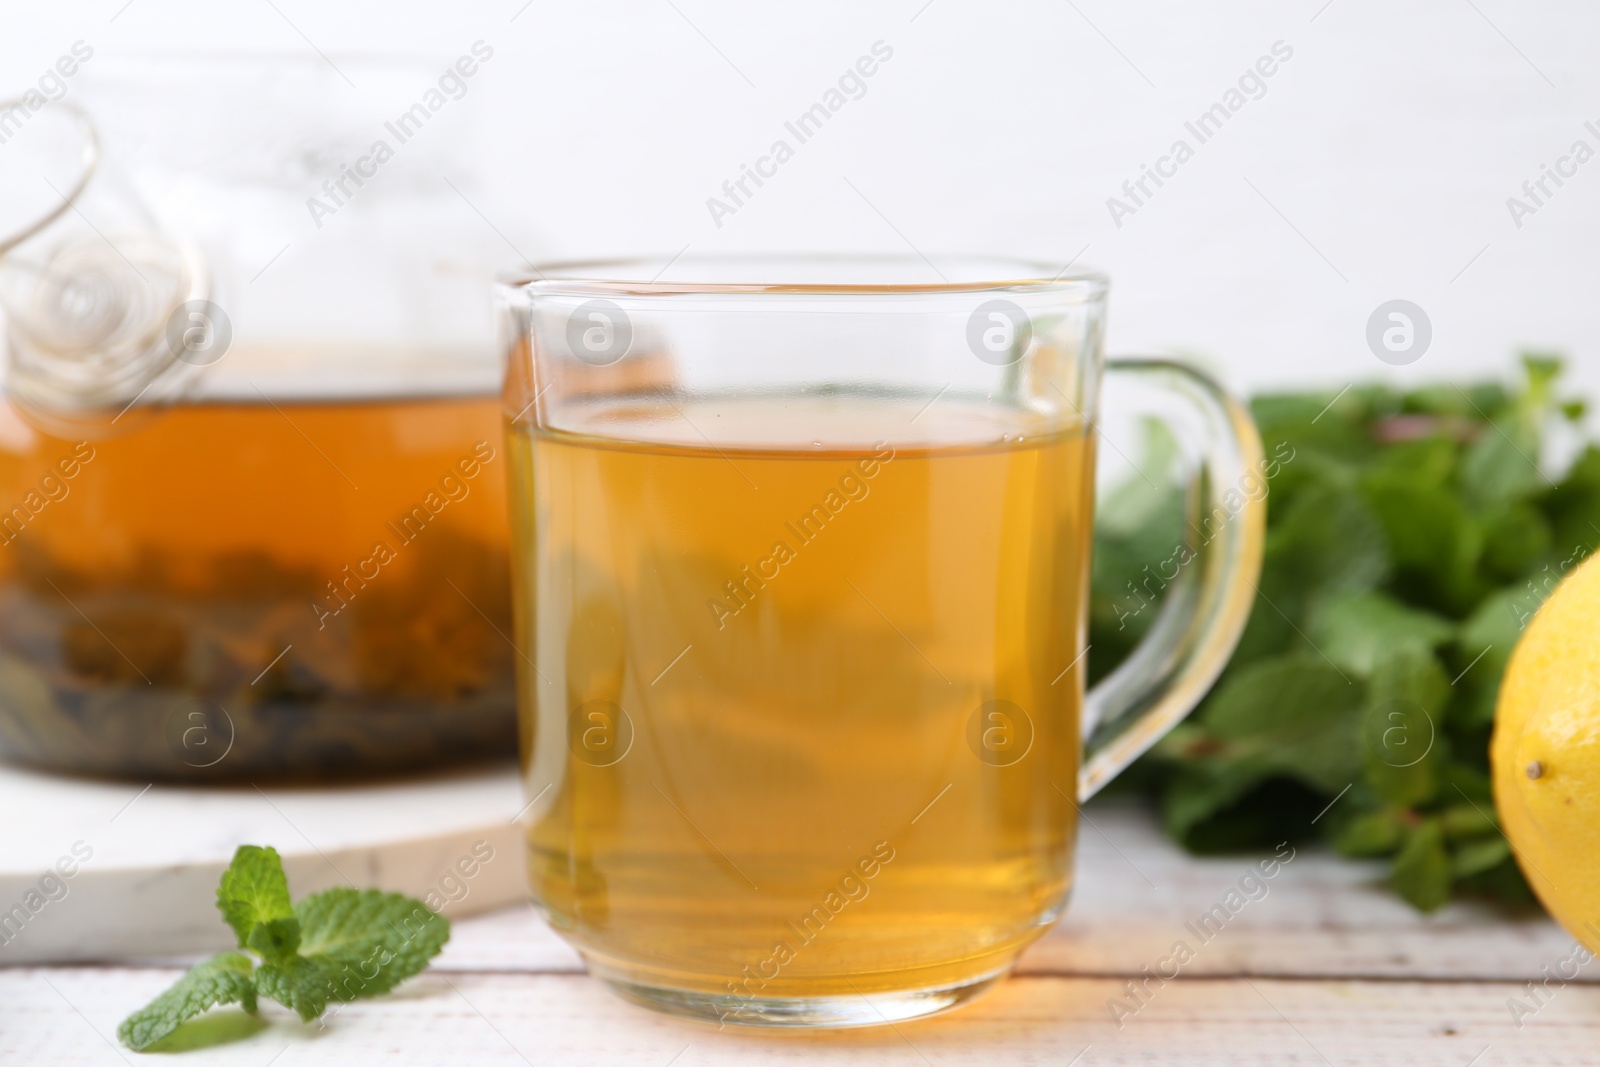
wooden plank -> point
(1321, 915)
(1312, 939)
(1137, 895)
(68, 1015)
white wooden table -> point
(1326, 968)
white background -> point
(1376, 166)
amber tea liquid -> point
(802, 715)
(313, 586)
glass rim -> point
(642, 276)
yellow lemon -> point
(1545, 754)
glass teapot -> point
(252, 500)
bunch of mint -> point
(337, 945)
(1410, 537)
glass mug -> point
(800, 561)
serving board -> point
(96, 870)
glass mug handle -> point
(1208, 602)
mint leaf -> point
(1467, 820)
(253, 891)
(1403, 728)
(296, 983)
(1130, 507)
(1515, 539)
(1358, 630)
(1422, 871)
(336, 945)
(277, 940)
(368, 942)
(1283, 718)
(1428, 461)
(1371, 833)
(1501, 465)
(1480, 856)
(1200, 791)
(1292, 715)
(223, 979)
(1542, 369)
(1573, 506)
(1484, 647)
(1433, 540)
(1330, 539)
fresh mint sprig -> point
(1411, 534)
(337, 945)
